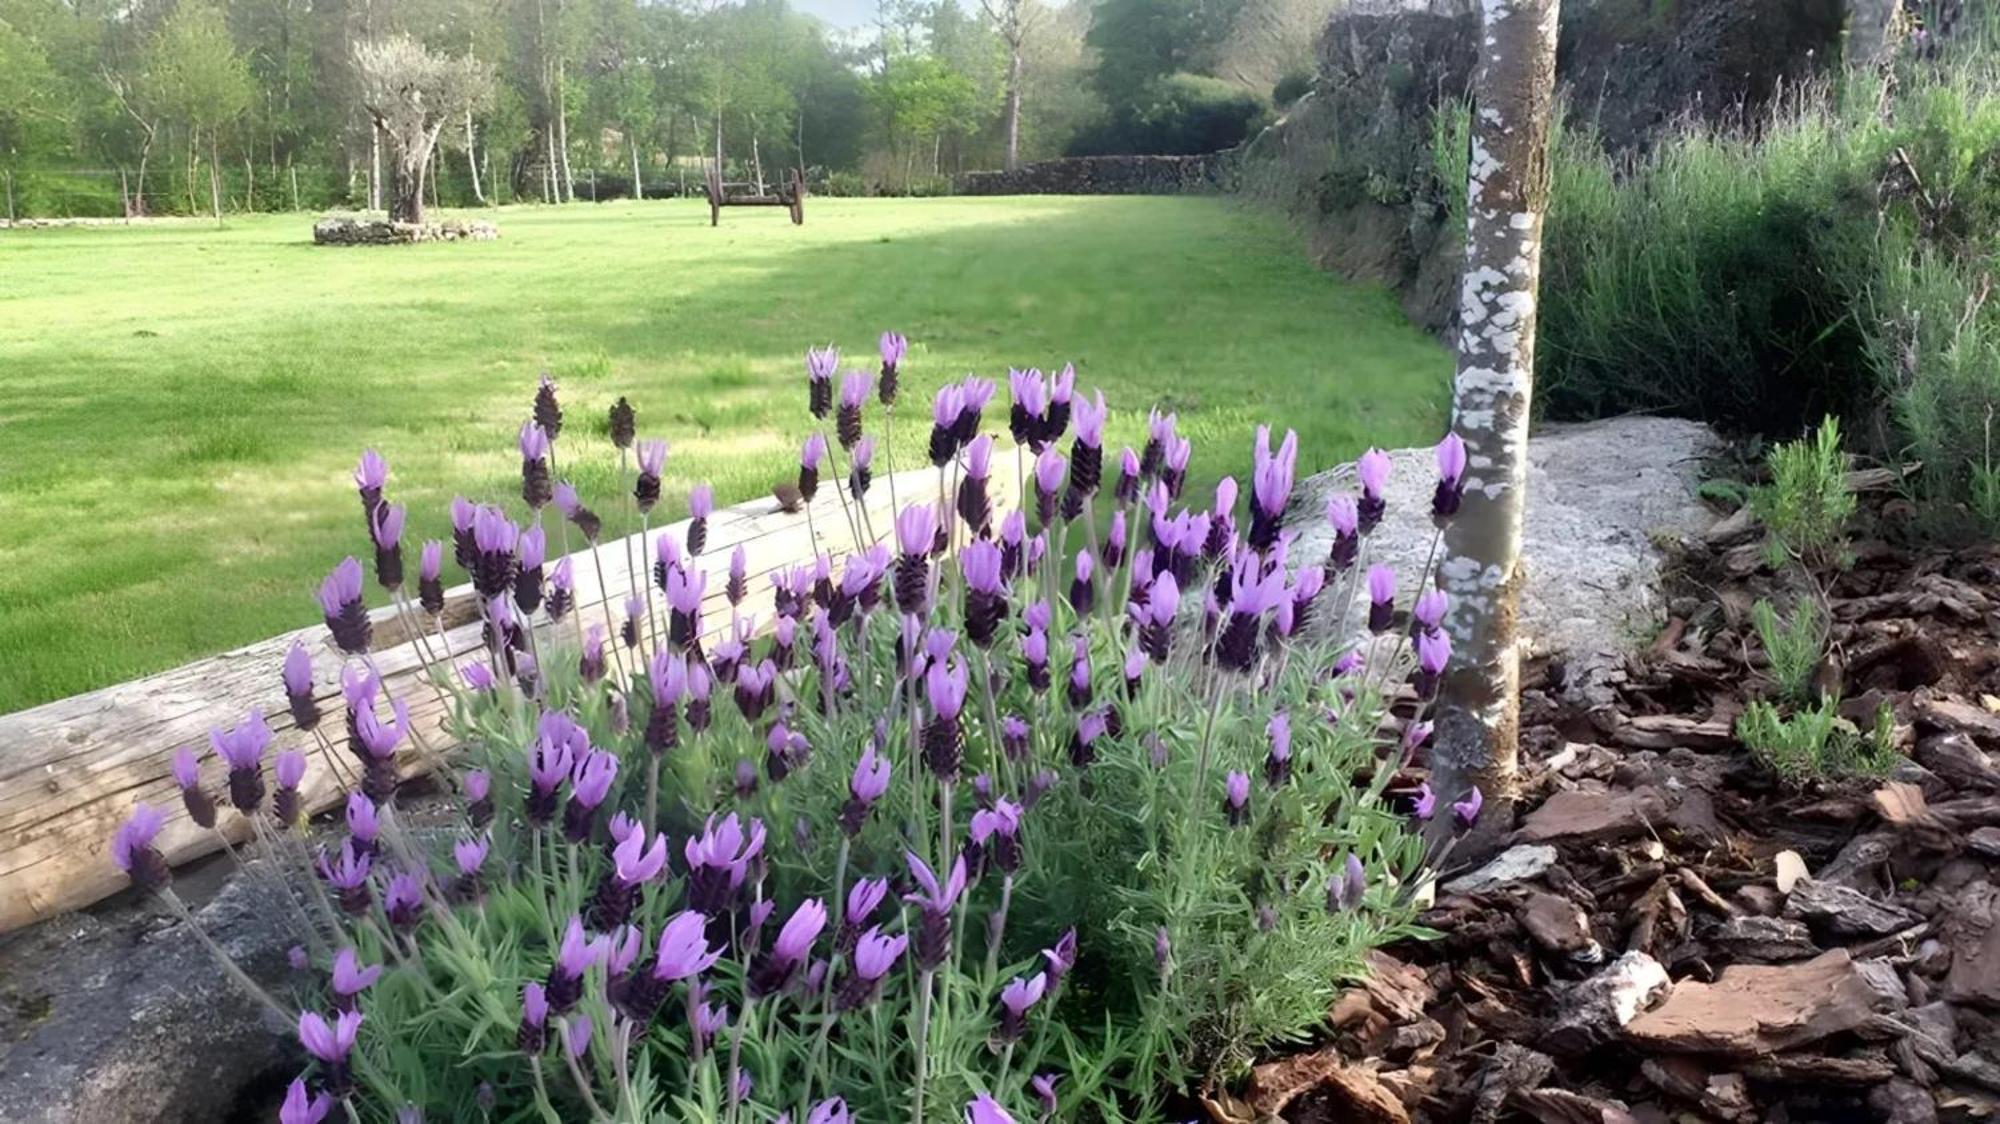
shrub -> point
(1806, 506)
(1793, 645)
(1291, 87)
(1816, 743)
(1179, 115)
(974, 831)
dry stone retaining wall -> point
(350, 230)
(1103, 175)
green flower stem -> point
(923, 1043)
(576, 1070)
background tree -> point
(195, 76)
(412, 93)
(1013, 20)
(1507, 192)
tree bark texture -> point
(1507, 191)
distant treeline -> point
(175, 106)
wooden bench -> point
(790, 194)
(71, 770)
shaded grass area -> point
(182, 405)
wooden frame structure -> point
(71, 770)
(789, 194)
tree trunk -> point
(1507, 191)
(249, 184)
(562, 128)
(215, 178)
(472, 160)
(374, 167)
(638, 187)
(292, 173)
(139, 196)
(1014, 108)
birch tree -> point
(1012, 19)
(1507, 190)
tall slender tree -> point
(1507, 192)
(412, 93)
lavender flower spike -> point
(773, 970)
(820, 364)
(936, 900)
(187, 774)
(329, 1043)
(300, 1108)
(350, 979)
(1465, 813)
(1373, 469)
(1015, 1000)
(1451, 460)
(346, 617)
(1236, 798)
(132, 849)
(985, 1110)
(1381, 598)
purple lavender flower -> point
(1035, 651)
(537, 489)
(574, 957)
(1174, 472)
(132, 849)
(300, 1108)
(1086, 456)
(370, 477)
(330, 1044)
(386, 530)
(652, 461)
(983, 1109)
(774, 969)
(1278, 763)
(1016, 999)
(945, 686)
(187, 774)
(1345, 890)
(1044, 1085)
(935, 899)
(589, 783)
(1014, 737)
(996, 831)
(1381, 598)
(1236, 798)
(1433, 656)
(1083, 743)
(854, 388)
(719, 860)
(340, 600)
(1465, 813)
(1050, 469)
(868, 784)
(1156, 617)
(290, 770)
(683, 950)
(242, 747)
(624, 424)
(1451, 461)
(820, 364)
(362, 823)
(892, 347)
(974, 394)
(945, 409)
(532, 1038)
(811, 455)
(1271, 486)
(1060, 959)
(830, 1111)
(1425, 805)
(548, 410)
(756, 688)
(701, 505)
(1430, 608)
(348, 875)
(403, 900)
(1062, 393)
(350, 979)
(916, 530)
(1373, 469)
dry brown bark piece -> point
(1723, 1095)
(1762, 939)
(1954, 757)
(1673, 731)
(1821, 1069)
(1592, 815)
(1561, 1106)
(1956, 716)
(1971, 929)
(1756, 1009)
(1846, 912)
(1594, 1010)
(1557, 925)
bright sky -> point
(844, 14)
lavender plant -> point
(875, 861)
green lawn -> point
(180, 406)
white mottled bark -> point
(1507, 190)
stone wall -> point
(1103, 175)
(352, 230)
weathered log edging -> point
(71, 770)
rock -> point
(1762, 939)
(1593, 815)
(140, 1022)
(361, 230)
(1902, 1102)
(1848, 913)
(1603, 490)
(1723, 1095)
(1559, 926)
(1985, 842)
(1594, 1010)
(1970, 931)
(1515, 864)
(1790, 869)
(1103, 175)
(1755, 1009)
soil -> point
(1661, 930)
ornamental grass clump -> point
(863, 859)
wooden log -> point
(71, 770)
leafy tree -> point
(412, 93)
(1139, 42)
(194, 75)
